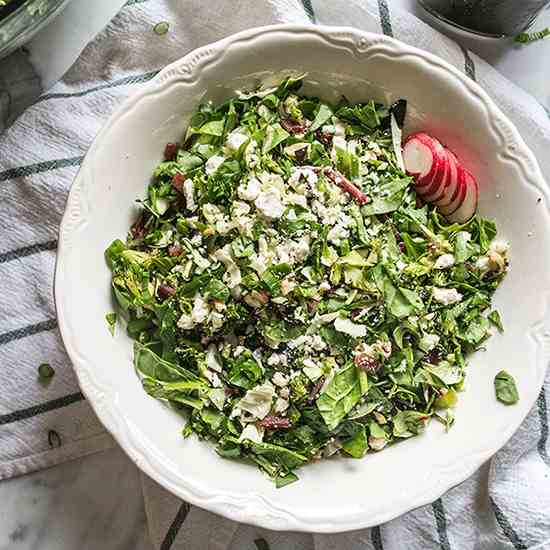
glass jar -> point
(496, 18)
(23, 23)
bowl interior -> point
(332, 495)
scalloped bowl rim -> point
(256, 509)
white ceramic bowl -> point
(332, 495)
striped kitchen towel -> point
(506, 504)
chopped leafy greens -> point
(285, 290)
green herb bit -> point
(495, 319)
(111, 322)
(161, 28)
(287, 479)
(261, 544)
(45, 371)
(54, 439)
(447, 399)
(505, 388)
(528, 37)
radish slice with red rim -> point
(469, 205)
(459, 195)
(423, 157)
(418, 158)
(439, 191)
(435, 191)
(452, 187)
(439, 177)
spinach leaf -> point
(506, 389)
(114, 252)
(400, 301)
(282, 331)
(244, 371)
(340, 396)
(186, 161)
(355, 213)
(324, 113)
(231, 118)
(216, 290)
(283, 481)
(347, 163)
(476, 331)
(370, 115)
(336, 339)
(242, 247)
(286, 459)
(151, 365)
(221, 185)
(447, 373)
(388, 197)
(212, 128)
(357, 445)
(213, 418)
(487, 232)
(273, 276)
(409, 423)
(418, 216)
(463, 248)
(275, 134)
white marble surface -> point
(96, 502)
(88, 504)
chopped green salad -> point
(285, 288)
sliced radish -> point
(419, 155)
(452, 187)
(436, 190)
(458, 196)
(438, 161)
(469, 205)
(438, 152)
(439, 178)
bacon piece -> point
(366, 362)
(292, 126)
(177, 181)
(324, 138)
(341, 181)
(170, 151)
(166, 291)
(175, 250)
(138, 230)
(274, 422)
(316, 389)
